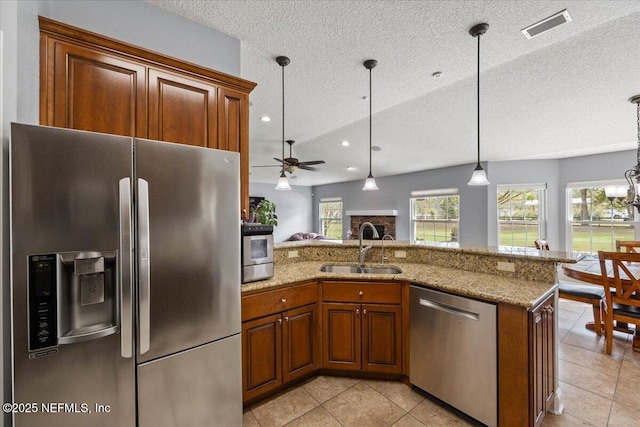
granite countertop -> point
(483, 286)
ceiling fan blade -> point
(285, 161)
(307, 168)
(312, 162)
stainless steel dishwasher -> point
(453, 351)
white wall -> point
(294, 209)
(133, 21)
(394, 193)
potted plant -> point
(265, 213)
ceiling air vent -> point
(546, 24)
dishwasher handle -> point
(449, 309)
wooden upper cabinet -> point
(233, 135)
(182, 109)
(93, 91)
(95, 83)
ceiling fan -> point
(291, 164)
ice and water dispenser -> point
(73, 297)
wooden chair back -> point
(543, 245)
(622, 277)
(627, 246)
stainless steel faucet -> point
(363, 251)
(384, 258)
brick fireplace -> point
(383, 220)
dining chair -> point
(593, 295)
(621, 289)
(629, 246)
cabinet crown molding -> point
(61, 30)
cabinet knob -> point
(357, 311)
(364, 311)
(279, 320)
(550, 310)
(286, 318)
(283, 300)
(360, 293)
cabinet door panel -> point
(94, 91)
(341, 339)
(298, 342)
(537, 366)
(261, 355)
(381, 338)
(182, 109)
(549, 361)
(233, 135)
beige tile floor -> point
(597, 390)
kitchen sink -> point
(332, 268)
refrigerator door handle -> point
(144, 269)
(126, 285)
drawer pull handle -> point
(360, 293)
(283, 300)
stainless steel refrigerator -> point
(125, 275)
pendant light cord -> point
(370, 113)
(478, 99)
(283, 120)
(638, 155)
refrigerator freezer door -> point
(193, 239)
(64, 199)
(194, 388)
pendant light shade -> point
(479, 176)
(634, 173)
(370, 183)
(283, 182)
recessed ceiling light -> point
(366, 98)
(265, 118)
(376, 148)
(437, 74)
(351, 168)
(546, 24)
(344, 143)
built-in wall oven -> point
(257, 252)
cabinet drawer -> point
(362, 292)
(269, 302)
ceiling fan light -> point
(283, 183)
(478, 177)
(370, 184)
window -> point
(594, 222)
(331, 217)
(521, 214)
(435, 215)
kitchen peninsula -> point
(304, 321)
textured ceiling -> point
(563, 93)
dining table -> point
(588, 270)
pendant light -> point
(479, 176)
(370, 183)
(283, 182)
(635, 172)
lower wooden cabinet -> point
(281, 347)
(542, 359)
(526, 357)
(358, 335)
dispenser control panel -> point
(42, 302)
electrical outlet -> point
(507, 266)
(400, 254)
(293, 254)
